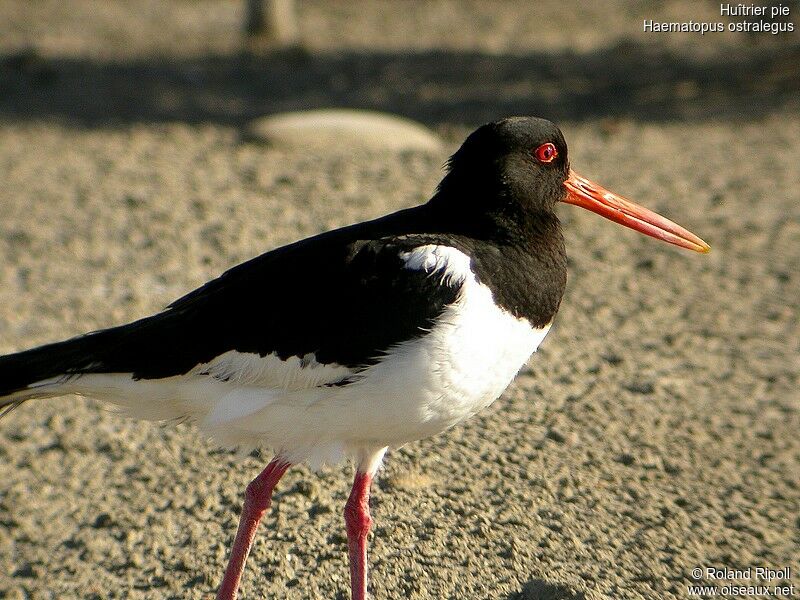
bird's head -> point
(518, 168)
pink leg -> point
(358, 521)
(257, 500)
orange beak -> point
(586, 194)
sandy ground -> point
(657, 429)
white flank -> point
(251, 369)
(420, 387)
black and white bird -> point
(358, 339)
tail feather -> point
(138, 366)
(41, 372)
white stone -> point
(335, 128)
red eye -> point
(546, 153)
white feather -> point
(293, 373)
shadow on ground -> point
(628, 80)
(538, 589)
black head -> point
(508, 176)
(515, 166)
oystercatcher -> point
(358, 339)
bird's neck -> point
(528, 272)
(518, 254)
(485, 208)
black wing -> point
(346, 305)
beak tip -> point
(703, 247)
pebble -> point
(335, 128)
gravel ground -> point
(655, 431)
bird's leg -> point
(358, 522)
(257, 500)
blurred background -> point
(440, 62)
(654, 432)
